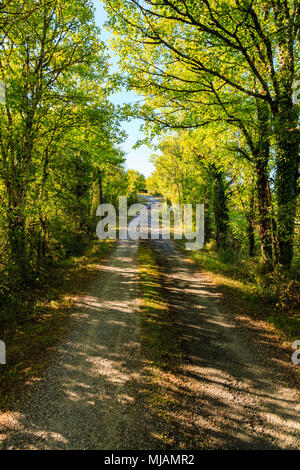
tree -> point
(185, 52)
(56, 127)
(136, 183)
(185, 173)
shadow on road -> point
(232, 394)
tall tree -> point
(188, 50)
(56, 73)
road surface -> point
(233, 390)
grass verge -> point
(158, 335)
(40, 319)
(159, 347)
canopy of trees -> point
(59, 134)
(219, 84)
(225, 69)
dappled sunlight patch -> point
(163, 438)
(124, 399)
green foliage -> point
(136, 184)
(59, 135)
(159, 345)
(227, 67)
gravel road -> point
(234, 389)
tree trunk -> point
(100, 190)
(42, 248)
(287, 137)
(207, 222)
(220, 209)
(287, 161)
(264, 211)
(262, 182)
(17, 240)
(250, 227)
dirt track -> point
(232, 390)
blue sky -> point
(136, 159)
